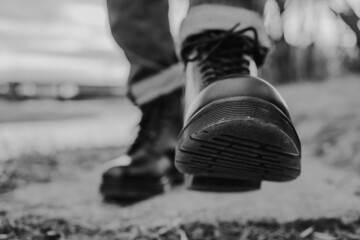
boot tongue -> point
(222, 54)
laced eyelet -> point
(221, 53)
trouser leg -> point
(141, 29)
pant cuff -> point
(158, 85)
(218, 17)
(254, 5)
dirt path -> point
(320, 192)
(329, 186)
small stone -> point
(4, 236)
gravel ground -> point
(36, 227)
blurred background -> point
(315, 40)
(63, 49)
(63, 78)
(58, 49)
(64, 111)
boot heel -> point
(240, 138)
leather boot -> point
(148, 167)
(237, 126)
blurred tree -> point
(348, 14)
(312, 43)
(281, 4)
(301, 59)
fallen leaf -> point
(307, 232)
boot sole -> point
(240, 138)
(220, 184)
(131, 191)
(135, 189)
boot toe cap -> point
(114, 173)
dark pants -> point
(141, 29)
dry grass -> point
(39, 168)
(36, 227)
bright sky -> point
(58, 40)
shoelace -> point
(223, 53)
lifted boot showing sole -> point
(237, 126)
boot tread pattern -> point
(248, 139)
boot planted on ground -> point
(147, 169)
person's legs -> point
(155, 85)
(237, 126)
(142, 31)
